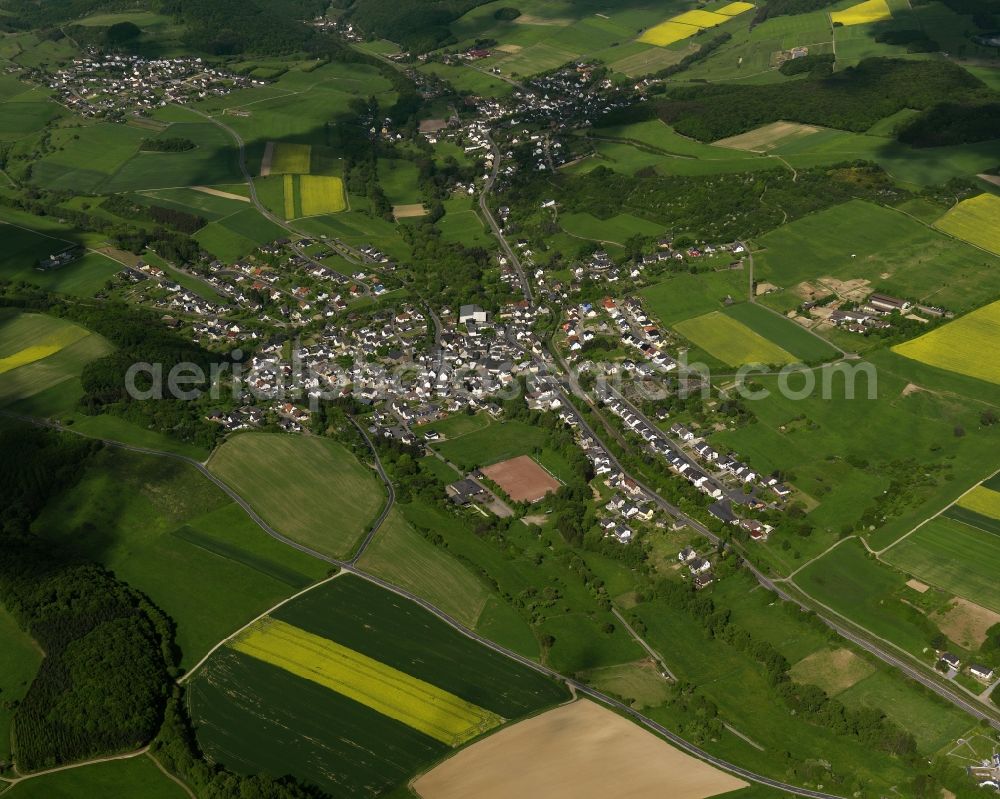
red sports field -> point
(522, 479)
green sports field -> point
(731, 341)
(954, 556)
(962, 345)
(179, 539)
(311, 489)
(500, 441)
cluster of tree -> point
(172, 144)
(417, 25)
(172, 245)
(916, 41)
(507, 13)
(108, 651)
(115, 37)
(815, 65)
(121, 205)
(868, 725)
(852, 99)
(984, 13)
(952, 123)
(707, 208)
(703, 52)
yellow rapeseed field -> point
(289, 196)
(321, 195)
(982, 500)
(291, 158)
(667, 33)
(976, 220)
(51, 344)
(967, 345)
(863, 13)
(700, 19)
(685, 25)
(733, 9)
(418, 704)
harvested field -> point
(961, 346)
(509, 48)
(409, 210)
(522, 479)
(976, 220)
(863, 13)
(577, 751)
(265, 161)
(966, 623)
(768, 137)
(532, 19)
(433, 125)
(218, 193)
(994, 179)
(834, 671)
(919, 587)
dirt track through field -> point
(224, 194)
(576, 751)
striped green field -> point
(311, 489)
(731, 341)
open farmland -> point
(688, 23)
(684, 296)
(60, 352)
(583, 751)
(286, 158)
(982, 500)
(403, 556)
(895, 253)
(134, 778)
(832, 670)
(976, 220)
(289, 481)
(175, 536)
(962, 345)
(862, 13)
(788, 335)
(252, 715)
(522, 479)
(731, 341)
(768, 137)
(26, 338)
(385, 690)
(954, 556)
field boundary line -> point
(880, 552)
(184, 677)
(70, 766)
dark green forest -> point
(852, 99)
